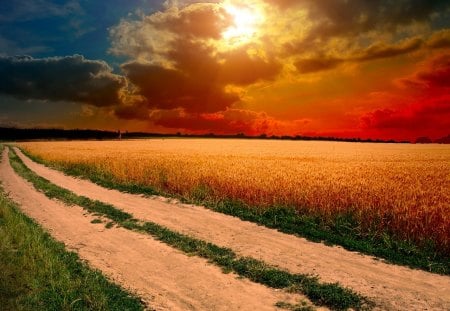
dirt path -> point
(391, 287)
(164, 278)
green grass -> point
(37, 273)
(333, 295)
(343, 230)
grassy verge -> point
(343, 231)
(333, 295)
(37, 273)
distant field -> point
(399, 190)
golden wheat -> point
(403, 189)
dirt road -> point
(391, 287)
(164, 278)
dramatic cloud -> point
(440, 39)
(357, 31)
(226, 122)
(168, 88)
(70, 78)
(240, 68)
(350, 17)
(189, 71)
(438, 74)
(373, 52)
(429, 112)
(136, 110)
(434, 74)
(424, 115)
(320, 63)
(154, 35)
(201, 20)
(381, 50)
(230, 121)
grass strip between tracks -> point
(331, 295)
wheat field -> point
(396, 188)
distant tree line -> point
(427, 140)
(18, 134)
(33, 134)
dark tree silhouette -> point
(423, 140)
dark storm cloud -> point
(360, 23)
(168, 88)
(348, 17)
(342, 17)
(137, 111)
(70, 78)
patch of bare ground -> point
(164, 278)
(391, 287)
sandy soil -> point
(391, 287)
(164, 278)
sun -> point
(245, 24)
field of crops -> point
(402, 190)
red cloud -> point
(438, 74)
(434, 74)
(230, 121)
(428, 114)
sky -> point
(375, 69)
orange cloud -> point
(440, 39)
(198, 20)
(373, 52)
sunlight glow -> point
(246, 21)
